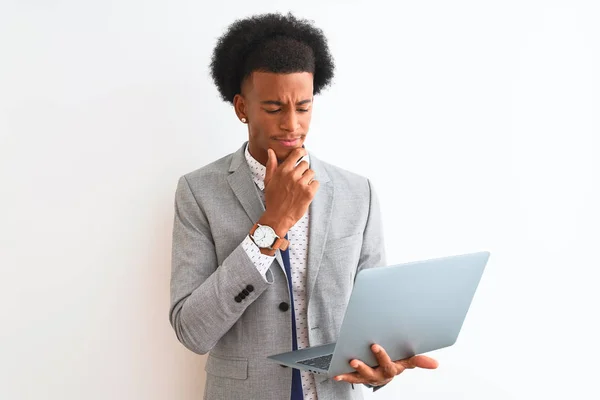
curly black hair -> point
(271, 43)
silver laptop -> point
(409, 309)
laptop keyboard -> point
(321, 362)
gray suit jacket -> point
(215, 207)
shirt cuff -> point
(261, 261)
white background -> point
(478, 123)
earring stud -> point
(244, 120)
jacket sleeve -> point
(206, 299)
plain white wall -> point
(477, 121)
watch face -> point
(264, 236)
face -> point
(278, 109)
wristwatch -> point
(265, 237)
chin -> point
(283, 153)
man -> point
(267, 241)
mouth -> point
(289, 142)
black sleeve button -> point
(283, 306)
(250, 288)
(246, 292)
(238, 299)
(242, 296)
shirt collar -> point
(258, 170)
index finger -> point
(293, 158)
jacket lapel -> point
(244, 188)
(320, 221)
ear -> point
(239, 105)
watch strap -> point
(280, 243)
(253, 229)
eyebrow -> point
(278, 103)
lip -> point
(288, 142)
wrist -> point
(263, 250)
(279, 225)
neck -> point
(258, 153)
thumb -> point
(271, 166)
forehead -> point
(277, 86)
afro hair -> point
(270, 43)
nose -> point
(289, 121)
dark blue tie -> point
(296, 380)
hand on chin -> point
(282, 152)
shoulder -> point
(216, 168)
(344, 179)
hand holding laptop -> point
(419, 307)
(387, 369)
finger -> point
(314, 186)
(419, 361)
(386, 365)
(300, 169)
(303, 158)
(271, 166)
(353, 377)
(290, 162)
(307, 177)
(366, 372)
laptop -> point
(410, 308)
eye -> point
(302, 110)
